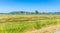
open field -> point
(19, 18)
(24, 23)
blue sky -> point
(29, 5)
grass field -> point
(22, 23)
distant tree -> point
(36, 11)
(22, 12)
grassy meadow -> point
(23, 23)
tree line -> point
(26, 12)
(36, 12)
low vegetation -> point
(22, 23)
(18, 27)
(20, 18)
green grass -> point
(19, 27)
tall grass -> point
(18, 27)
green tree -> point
(36, 11)
(22, 12)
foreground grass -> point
(20, 27)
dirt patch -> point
(49, 29)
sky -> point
(29, 5)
